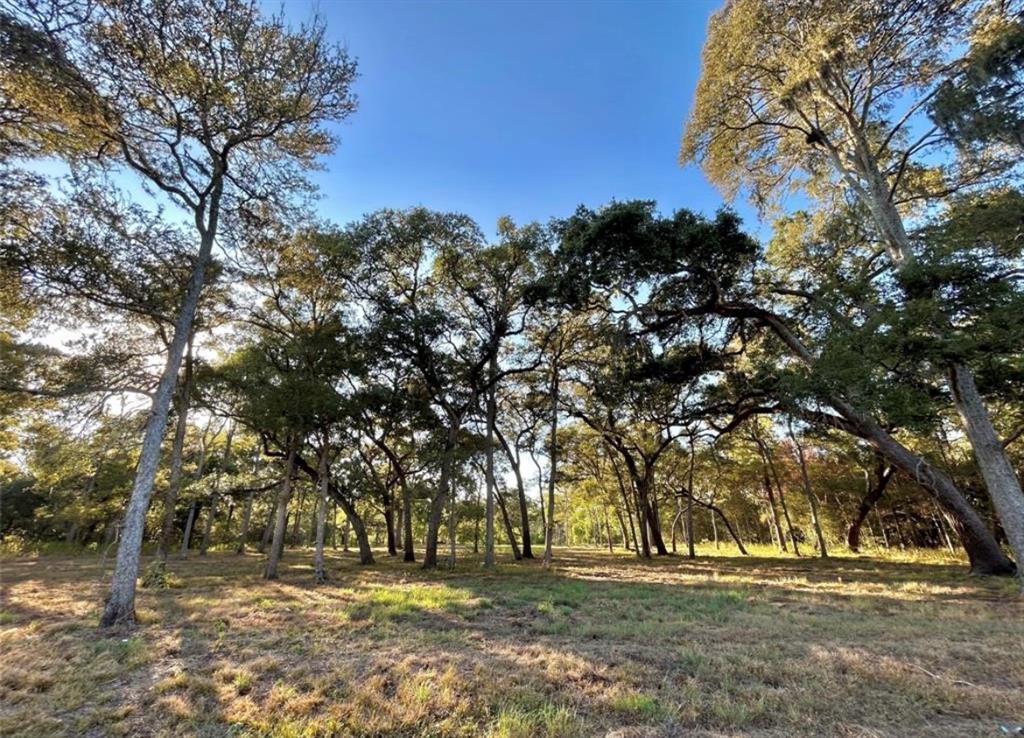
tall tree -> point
(213, 105)
(833, 97)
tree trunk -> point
(767, 456)
(725, 521)
(246, 518)
(549, 528)
(211, 513)
(437, 504)
(397, 507)
(776, 525)
(186, 538)
(492, 405)
(881, 525)
(876, 487)
(268, 529)
(297, 520)
(319, 568)
(120, 605)
(524, 510)
(540, 492)
(509, 530)
(359, 528)
(691, 549)
(622, 529)
(408, 550)
(452, 523)
(1000, 479)
(982, 549)
(654, 520)
(281, 515)
(628, 506)
(714, 527)
(809, 493)
(389, 526)
(182, 401)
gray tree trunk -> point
(319, 569)
(875, 489)
(120, 605)
(177, 449)
(1000, 478)
(185, 539)
(509, 530)
(437, 505)
(489, 473)
(281, 513)
(549, 528)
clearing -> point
(601, 645)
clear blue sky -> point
(519, 108)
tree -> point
(692, 269)
(826, 96)
(212, 105)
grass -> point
(600, 645)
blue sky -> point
(518, 108)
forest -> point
(264, 472)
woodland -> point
(627, 472)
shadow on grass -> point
(598, 642)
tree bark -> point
(214, 497)
(809, 493)
(120, 605)
(281, 515)
(691, 549)
(1000, 479)
(389, 526)
(319, 568)
(657, 540)
(246, 518)
(876, 488)
(182, 401)
(187, 537)
(984, 553)
(773, 512)
(766, 454)
(297, 519)
(725, 521)
(492, 405)
(622, 529)
(437, 504)
(524, 510)
(549, 528)
(509, 530)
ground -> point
(601, 645)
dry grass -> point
(602, 645)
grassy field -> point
(601, 645)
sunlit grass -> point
(602, 644)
